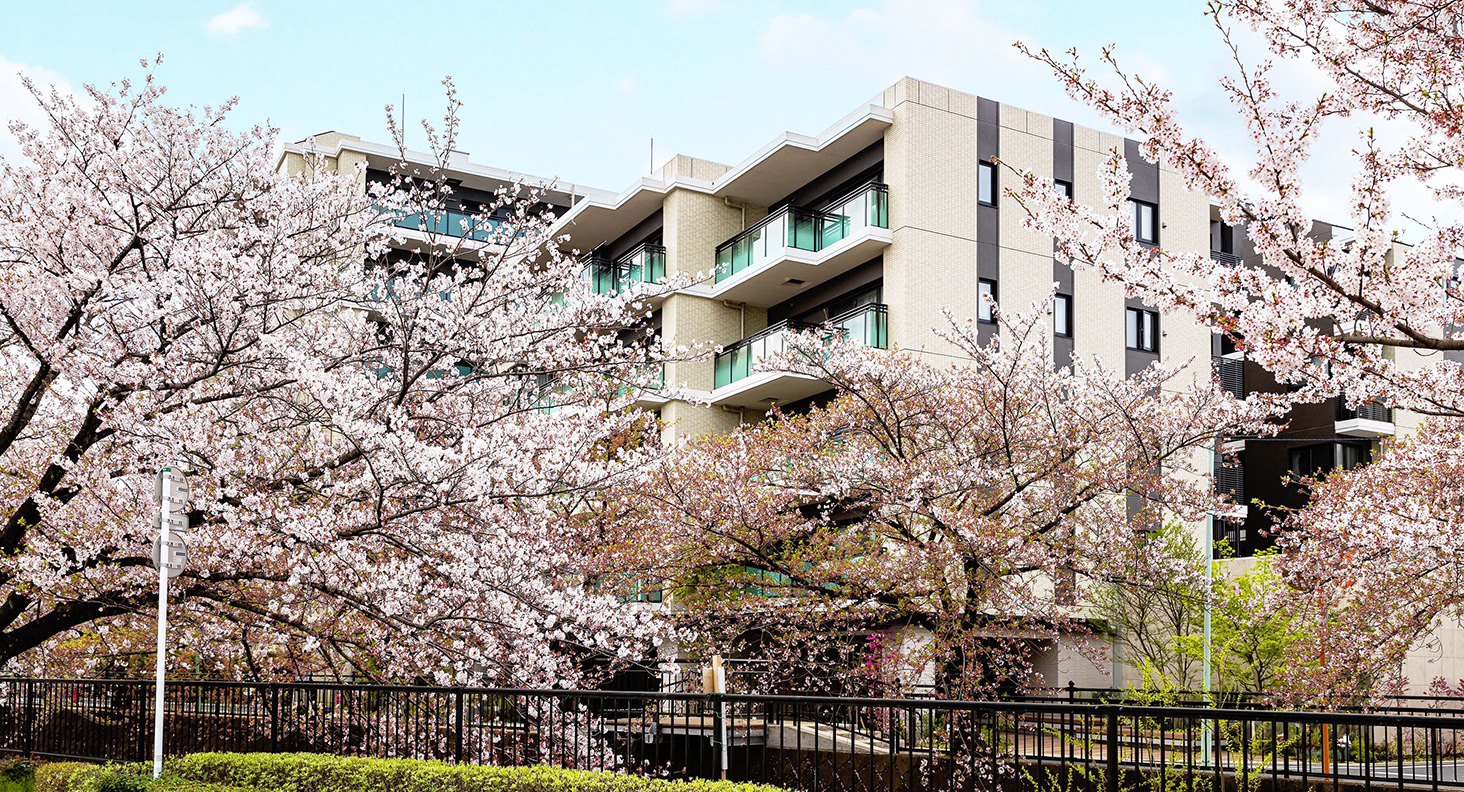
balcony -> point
(1228, 259)
(1231, 372)
(795, 247)
(463, 225)
(737, 384)
(646, 263)
(653, 397)
(1367, 420)
(1230, 481)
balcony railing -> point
(1232, 375)
(645, 263)
(1228, 259)
(465, 225)
(866, 325)
(1366, 412)
(794, 228)
(1230, 480)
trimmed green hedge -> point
(320, 773)
(79, 777)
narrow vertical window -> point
(1145, 222)
(986, 183)
(1062, 315)
(1064, 188)
(986, 299)
(1141, 330)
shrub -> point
(321, 773)
(17, 775)
(65, 776)
(80, 777)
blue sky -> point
(576, 90)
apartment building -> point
(1318, 437)
(878, 224)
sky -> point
(577, 90)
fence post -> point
(1072, 690)
(274, 717)
(1110, 781)
(30, 716)
(457, 751)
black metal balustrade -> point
(807, 743)
(1366, 412)
(1231, 372)
(1230, 481)
(1228, 259)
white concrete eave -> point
(1362, 427)
(797, 270)
(777, 169)
(766, 388)
(479, 177)
(793, 160)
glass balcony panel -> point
(601, 276)
(865, 325)
(645, 264)
(448, 223)
(879, 208)
(801, 229)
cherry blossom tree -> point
(1365, 320)
(975, 503)
(1378, 555)
(387, 452)
(1368, 564)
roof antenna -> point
(653, 155)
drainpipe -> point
(741, 415)
(741, 317)
(737, 205)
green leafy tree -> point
(1250, 635)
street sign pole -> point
(170, 555)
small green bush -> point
(320, 773)
(17, 775)
(80, 777)
(65, 776)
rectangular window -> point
(1146, 226)
(1065, 188)
(1141, 330)
(985, 289)
(1062, 315)
(986, 183)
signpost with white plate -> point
(170, 556)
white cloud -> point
(17, 104)
(240, 17)
(944, 41)
(684, 8)
(936, 39)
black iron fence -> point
(800, 742)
